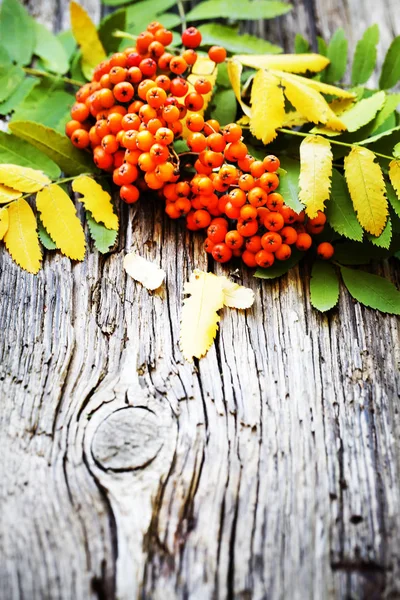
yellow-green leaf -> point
(21, 239)
(200, 318)
(234, 72)
(294, 63)
(315, 173)
(235, 295)
(310, 103)
(367, 189)
(96, 200)
(394, 174)
(3, 222)
(319, 86)
(85, 33)
(58, 215)
(23, 179)
(294, 119)
(7, 194)
(267, 106)
(363, 111)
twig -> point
(332, 141)
(39, 73)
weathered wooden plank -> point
(268, 470)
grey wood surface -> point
(269, 470)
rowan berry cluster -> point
(138, 103)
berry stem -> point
(332, 141)
(39, 73)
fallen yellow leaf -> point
(235, 295)
(143, 271)
(22, 179)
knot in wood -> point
(130, 438)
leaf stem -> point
(332, 141)
(124, 34)
(182, 15)
(39, 73)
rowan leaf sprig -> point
(338, 143)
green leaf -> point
(20, 93)
(337, 54)
(140, 14)
(223, 107)
(67, 40)
(340, 212)
(391, 103)
(363, 111)
(322, 46)
(240, 10)
(180, 146)
(116, 20)
(383, 240)
(48, 104)
(371, 290)
(229, 38)
(324, 286)
(49, 48)
(365, 56)
(289, 184)
(44, 236)
(396, 151)
(223, 77)
(17, 31)
(280, 267)
(354, 253)
(393, 199)
(5, 60)
(104, 239)
(10, 79)
(55, 145)
(378, 136)
(301, 45)
(115, 2)
(390, 73)
(15, 151)
(76, 67)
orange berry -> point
(284, 252)
(274, 221)
(325, 250)
(247, 228)
(232, 132)
(221, 253)
(190, 56)
(289, 235)
(249, 259)
(129, 193)
(197, 142)
(257, 169)
(195, 122)
(233, 239)
(257, 197)
(264, 259)
(156, 97)
(248, 212)
(253, 244)
(164, 136)
(159, 153)
(178, 65)
(288, 214)
(144, 140)
(191, 37)
(271, 163)
(271, 241)
(217, 54)
(274, 201)
(304, 241)
(194, 101)
(72, 126)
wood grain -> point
(269, 469)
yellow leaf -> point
(340, 105)
(58, 215)
(3, 222)
(324, 88)
(200, 318)
(244, 121)
(143, 271)
(7, 194)
(96, 200)
(315, 173)
(309, 102)
(207, 69)
(267, 106)
(85, 33)
(23, 179)
(367, 189)
(21, 239)
(294, 119)
(294, 63)
(235, 295)
(235, 71)
(394, 174)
